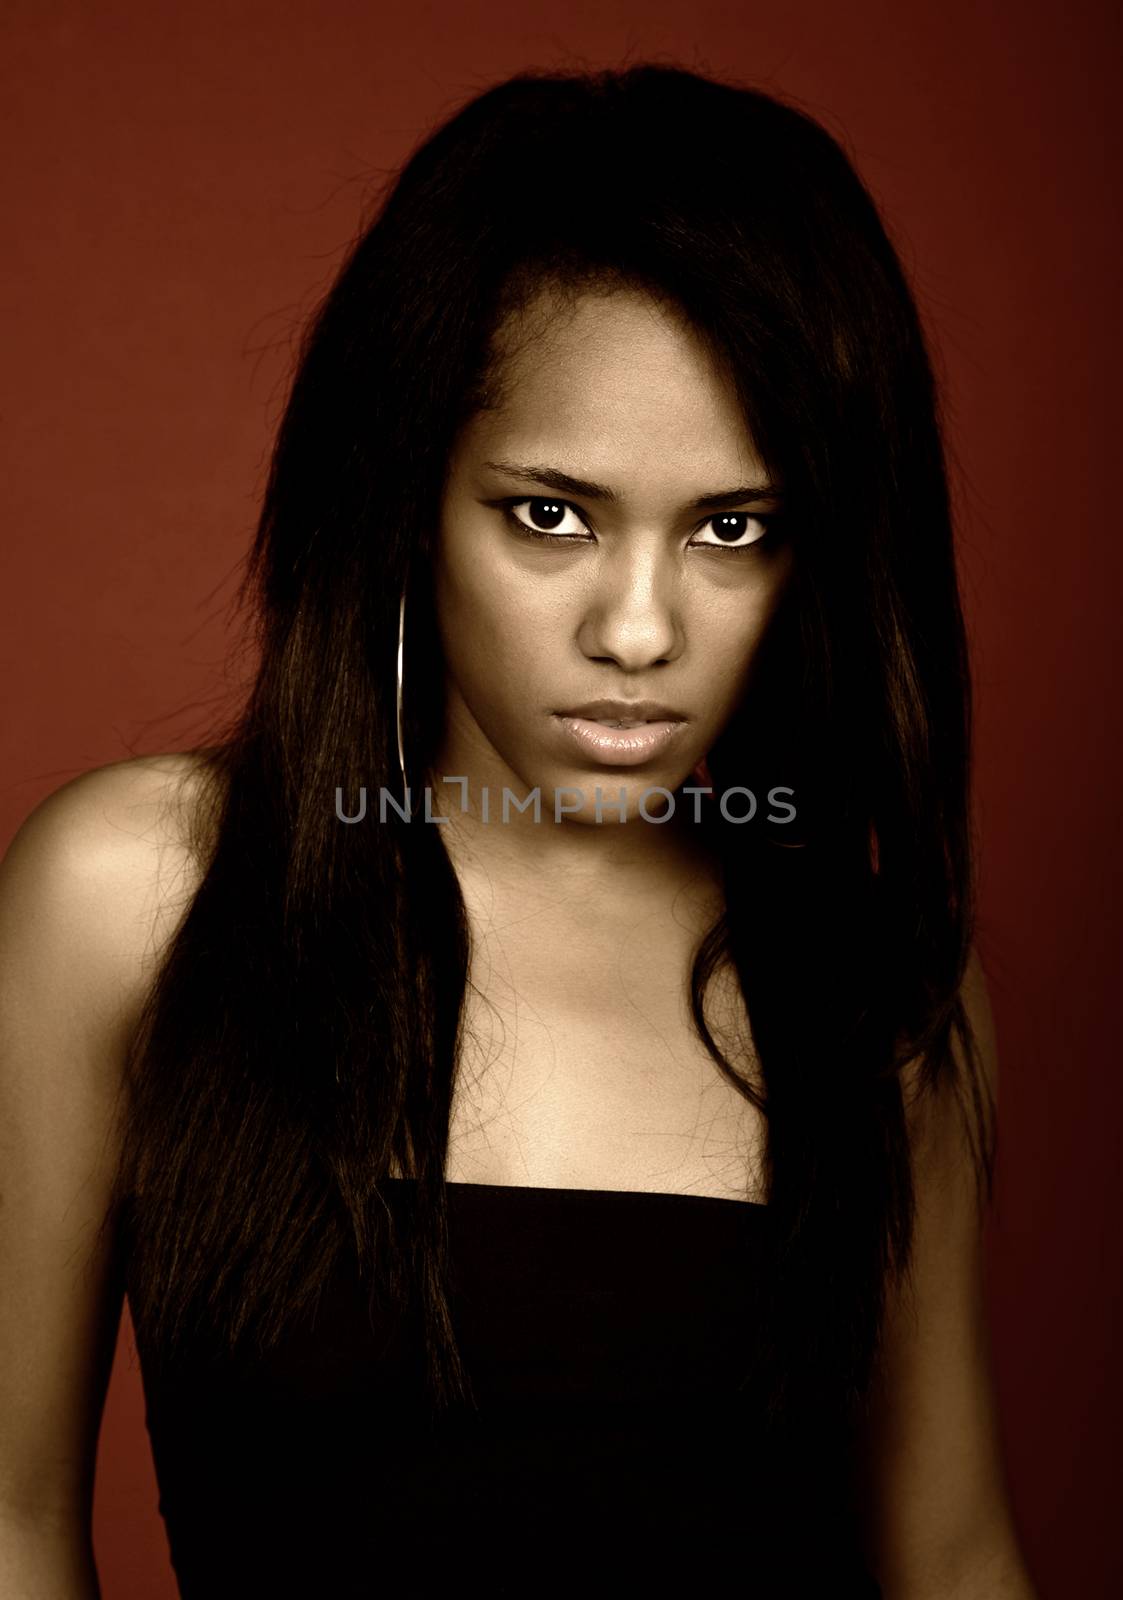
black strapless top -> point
(615, 1449)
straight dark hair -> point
(300, 1039)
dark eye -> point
(547, 516)
(736, 530)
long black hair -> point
(300, 1040)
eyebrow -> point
(552, 478)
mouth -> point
(604, 722)
(618, 741)
(623, 713)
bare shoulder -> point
(958, 1117)
(103, 814)
(99, 874)
(976, 1002)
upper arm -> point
(79, 892)
(939, 1521)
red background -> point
(182, 181)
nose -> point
(632, 614)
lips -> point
(624, 713)
(618, 744)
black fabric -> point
(617, 1447)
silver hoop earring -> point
(401, 645)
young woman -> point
(530, 1073)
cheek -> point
(491, 632)
(730, 640)
(464, 595)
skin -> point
(582, 1067)
(619, 392)
(91, 889)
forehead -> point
(611, 383)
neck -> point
(606, 863)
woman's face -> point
(617, 432)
